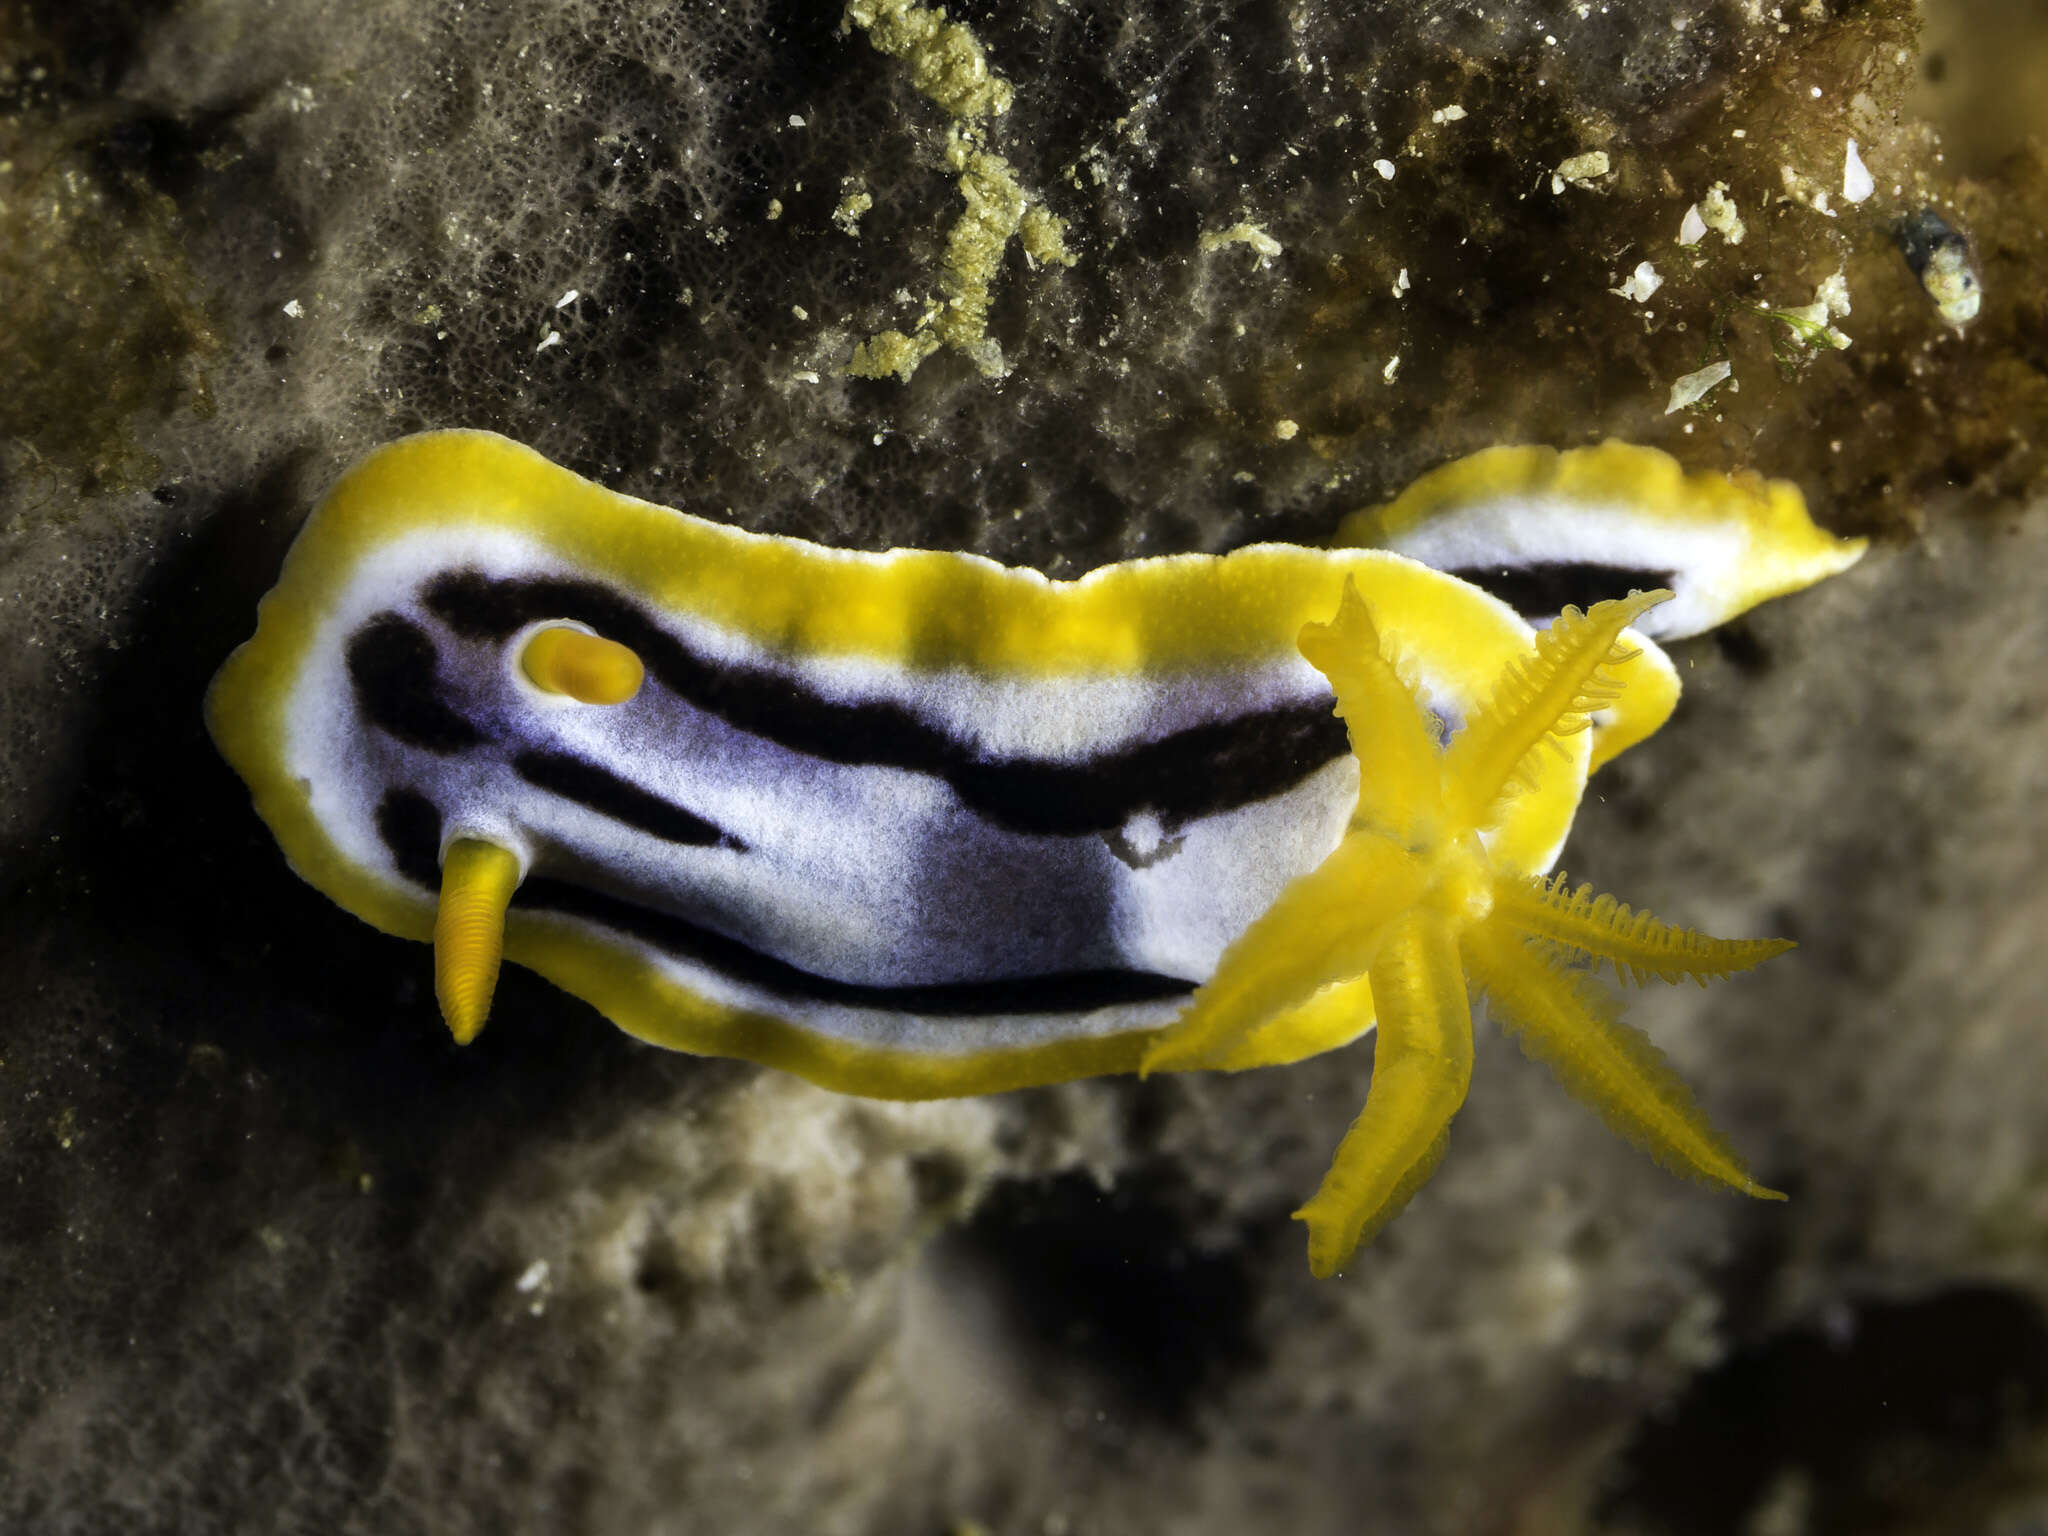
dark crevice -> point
(1886, 1411)
(1111, 1285)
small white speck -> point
(1451, 114)
(568, 298)
(1816, 93)
(1718, 212)
(1144, 834)
(795, 121)
(532, 1278)
(1857, 183)
(1692, 229)
(799, 311)
(1401, 283)
(1641, 283)
(552, 339)
(1285, 429)
(804, 376)
(294, 308)
(1393, 367)
(1385, 168)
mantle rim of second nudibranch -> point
(1784, 550)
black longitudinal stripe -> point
(585, 782)
(1192, 773)
(1059, 992)
(410, 825)
(1544, 590)
(391, 668)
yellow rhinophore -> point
(1421, 904)
(477, 881)
(585, 667)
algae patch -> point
(950, 69)
(103, 323)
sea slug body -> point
(914, 824)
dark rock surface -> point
(274, 1256)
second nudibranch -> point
(915, 824)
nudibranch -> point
(917, 824)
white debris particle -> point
(1401, 283)
(1641, 283)
(799, 311)
(1284, 429)
(1393, 367)
(1244, 232)
(774, 209)
(532, 1278)
(1857, 183)
(1833, 291)
(568, 298)
(1718, 212)
(1692, 229)
(1385, 168)
(294, 308)
(805, 376)
(552, 339)
(1812, 328)
(1579, 170)
(1684, 391)
(1447, 115)
(795, 121)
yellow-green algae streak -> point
(950, 69)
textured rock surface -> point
(273, 1255)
